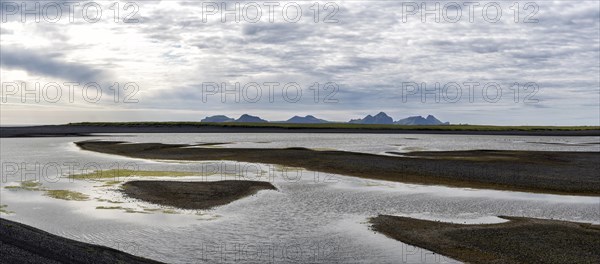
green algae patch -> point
(67, 195)
(57, 194)
(28, 186)
(169, 211)
(108, 201)
(524, 171)
(109, 207)
(3, 209)
(118, 176)
(324, 149)
(133, 211)
(210, 218)
(129, 210)
(284, 168)
(109, 183)
(161, 210)
(375, 184)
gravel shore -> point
(193, 195)
(520, 240)
(21, 243)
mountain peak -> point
(433, 119)
(309, 119)
(217, 119)
(380, 118)
(250, 119)
(419, 120)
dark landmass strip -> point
(521, 240)
(531, 171)
(193, 195)
(87, 129)
(21, 243)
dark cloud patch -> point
(275, 33)
(357, 64)
(479, 45)
(48, 64)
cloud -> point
(5, 31)
(47, 64)
(369, 53)
(275, 33)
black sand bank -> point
(193, 195)
(531, 171)
(21, 243)
(521, 240)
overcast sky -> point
(173, 57)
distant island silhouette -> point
(380, 119)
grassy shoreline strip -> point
(343, 126)
(124, 173)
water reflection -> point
(313, 217)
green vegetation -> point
(210, 218)
(108, 201)
(109, 207)
(133, 211)
(169, 211)
(345, 126)
(57, 194)
(110, 183)
(283, 168)
(531, 171)
(28, 186)
(117, 174)
(67, 195)
(324, 149)
(3, 209)
(163, 210)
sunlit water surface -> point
(312, 217)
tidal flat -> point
(193, 195)
(520, 240)
(569, 173)
(331, 210)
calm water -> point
(377, 143)
(313, 217)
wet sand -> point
(20, 243)
(193, 195)
(573, 173)
(521, 240)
